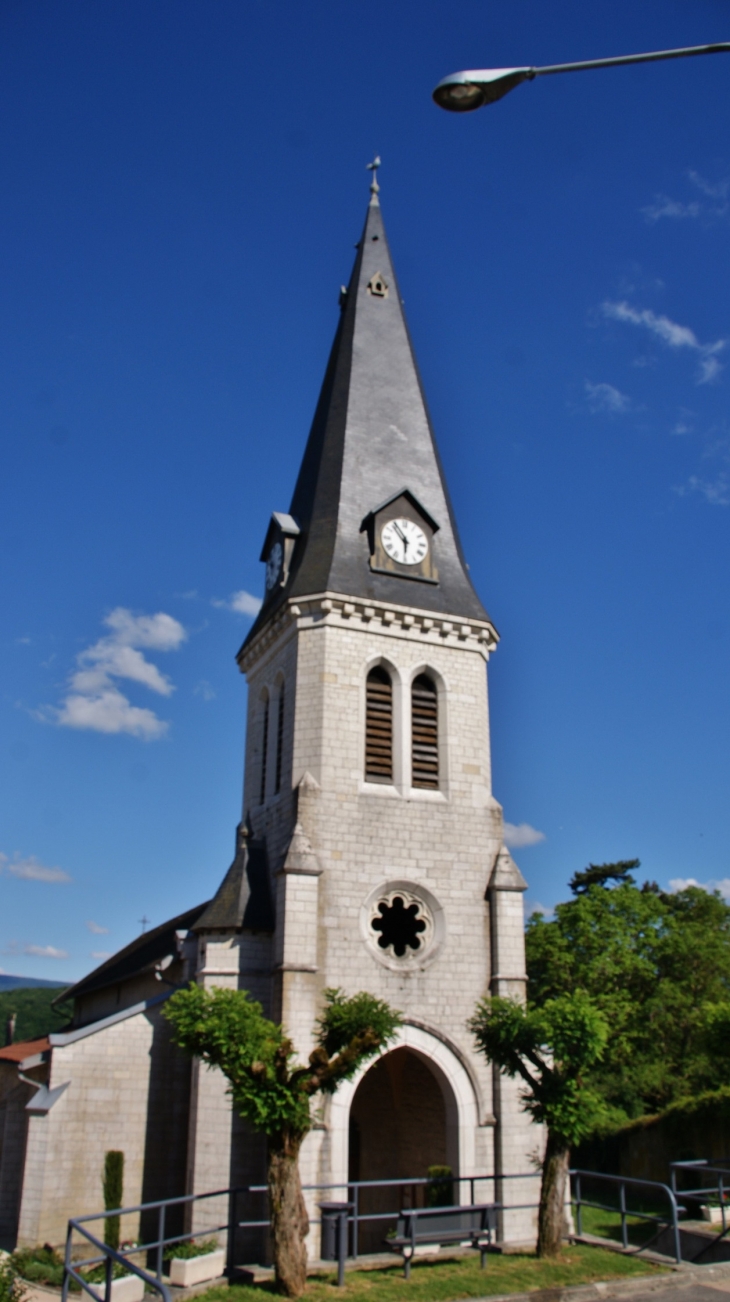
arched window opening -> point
(379, 726)
(264, 750)
(424, 733)
(279, 739)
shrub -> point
(440, 1187)
(113, 1194)
(191, 1248)
(12, 1288)
(38, 1265)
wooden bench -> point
(473, 1224)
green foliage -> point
(34, 1015)
(344, 1020)
(191, 1248)
(38, 1265)
(656, 965)
(550, 1048)
(12, 1288)
(440, 1187)
(228, 1030)
(600, 874)
(113, 1182)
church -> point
(369, 854)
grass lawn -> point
(441, 1281)
(607, 1225)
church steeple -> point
(371, 441)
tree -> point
(651, 962)
(600, 874)
(550, 1048)
(273, 1092)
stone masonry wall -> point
(117, 1077)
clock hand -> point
(400, 534)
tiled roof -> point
(23, 1049)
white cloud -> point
(719, 190)
(94, 701)
(672, 334)
(675, 209)
(684, 423)
(544, 909)
(519, 835)
(100, 953)
(110, 712)
(243, 603)
(96, 930)
(663, 206)
(604, 397)
(44, 951)
(30, 869)
(204, 689)
(714, 884)
(716, 491)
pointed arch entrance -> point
(398, 1120)
(402, 1121)
(462, 1107)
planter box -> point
(185, 1271)
(714, 1214)
(130, 1288)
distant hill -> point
(33, 1012)
(18, 982)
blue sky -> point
(182, 187)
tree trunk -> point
(551, 1216)
(289, 1220)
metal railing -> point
(486, 1187)
(73, 1266)
(354, 1188)
(719, 1188)
(153, 1279)
(655, 1189)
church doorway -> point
(401, 1123)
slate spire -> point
(371, 437)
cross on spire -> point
(373, 167)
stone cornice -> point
(332, 609)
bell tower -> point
(368, 802)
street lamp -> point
(464, 91)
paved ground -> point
(687, 1293)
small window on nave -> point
(279, 738)
(379, 726)
(424, 733)
(264, 747)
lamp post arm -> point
(464, 91)
(720, 47)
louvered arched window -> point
(424, 733)
(379, 726)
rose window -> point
(399, 925)
(402, 924)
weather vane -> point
(373, 167)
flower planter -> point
(714, 1214)
(185, 1271)
(129, 1288)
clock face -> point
(404, 541)
(273, 565)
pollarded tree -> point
(550, 1048)
(273, 1092)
